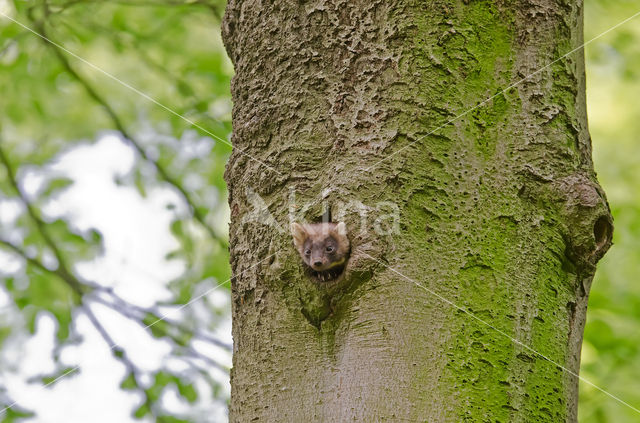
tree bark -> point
(473, 310)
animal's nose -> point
(317, 263)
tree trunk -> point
(472, 307)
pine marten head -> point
(324, 248)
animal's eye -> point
(330, 249)
(307, 252)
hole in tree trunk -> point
(602, 232)
(327, 275)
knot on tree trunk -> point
(588, 221)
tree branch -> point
(120, 127)
(127, 306)
(62, 270)
(80, 287)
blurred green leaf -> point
(612, 338)
(15, 414)
(129, 382)
(187, 391)
(65, 372)
(55, 186)
(141, 411)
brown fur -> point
(312, 241)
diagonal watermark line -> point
(514, 340)
(151, 99)
(504, 91)
(137, 91)
(74, 369)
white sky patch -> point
(135, 229)
(90, 395)
(6, 8)
(5, 300)
(136, 239)
(10, 210)
(8, 264)
(31, 181)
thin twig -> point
(136, 3)
(120, 354)
(77, 286)
(194, 354)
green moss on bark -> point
(497, 209)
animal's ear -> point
(299, 234)
(341, 229)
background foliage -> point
(52, 102)
(170, 50)
(612, 336)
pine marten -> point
(324, 248)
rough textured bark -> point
(500, 211)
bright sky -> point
(136, 238)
